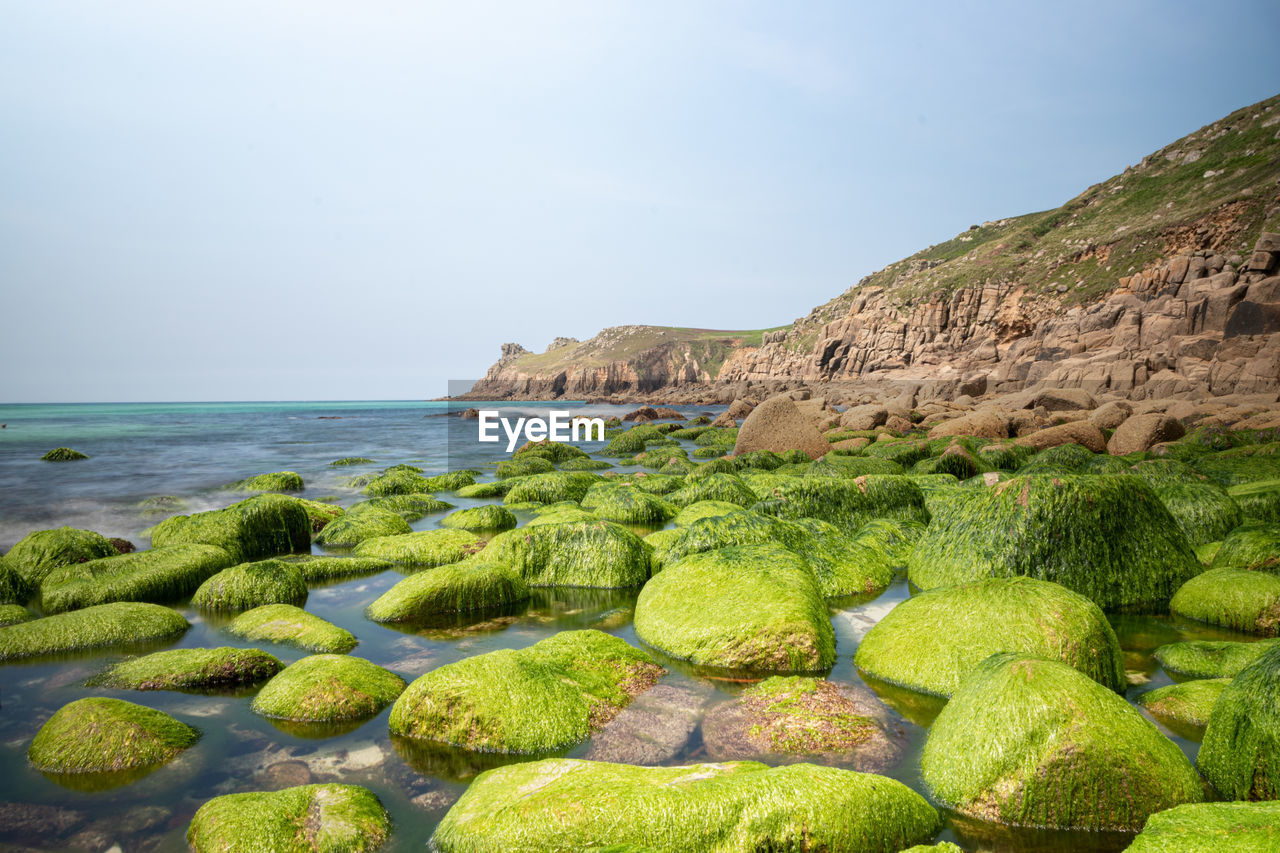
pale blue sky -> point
(323, 200)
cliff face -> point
(1163, 280)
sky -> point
(333, 200)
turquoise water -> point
(190, 451)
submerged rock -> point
(424, 548)
(322, 818)
(116, 624)
(253, 529)
(596, 554)
(42, 551)
(63, 454)
(158, 575)
(1234, 598)
(654, 728)
(100, 735)
(578, 805)
(361, 522)
(931, 641)
(1216, 827)
(480, 518)
(1032, 742)
(548, 696)
(458, 588)
(292, 626)
(191, 669)
(1240, 755)
(250, 585)
(325, 688)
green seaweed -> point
(1187, 704)
(423, 548)
(63, 454)
(1217, 827)
(120, 623)
(291, 626)
(326, 688)
(158, 575)
(277, 481)
(322, 818)
(361, 522)
(458, 588)
(551, 488)
(101, 735)
(253, 529)
(1255, 547)
(597, 554)
(1234, 598)
(250, 585)
(1210, 658)
(848, 504)
(1240, 755)
(626, 504)
(41, 551)
(191, 669)
(480, 518)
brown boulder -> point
(1141, 431)
(897, 423)
(724, 420)
(869, 416)
(668, 415)
(1111, 415)
(1077, 432)
(642, 414)
(777, 425)
(1063, 400)
(740, 408)
(981, 424)
(851, 443)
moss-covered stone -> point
(1203, 511)
(1251, 546)
(654, 484)
(1216, 827)
(631, 441)
(754, 607)
(63, 454)
(1186, 705)
(38, 553)
(292, 626)
(351, 460)
(892, 539)
(320, 513)
(277, 481)
(560, 513)
(848, 467)
(1108, 538)
(459, 588)
(12, 614)
(158, 575)
(597, 554)
(584, 464)
(100, 735)
(848, 504)
(1234, 598)
(423, 548)
(551, 488)
(450, 481)
(324, 818)
(480, 519)
(495, 489)
(327, 688)
(1240, 755)
(716, 466)
(522, 466)
(1258, 501)
(360, 523)
(548, 696)
(703, 509)
(932, 641)
(253, 529)
(1033, 742)
(713, 452)
(716, 487)
(626, 504)
(565, 804)
(14, 588)
(397, 481)
(409, 507)
(322, 569)
(121, 623)
(1210, 658)
(191, 669)
(553, 451)
(250, 585)
(717, 435)
(658, 457)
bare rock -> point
(1253, 318)
(983, 423)
(898, 423)
(740, 408)
(654, 728)
(1077, 432)
(1142, 431)
(642, 414)
(1063, 400)
(666, 414)
(1111, 415)
(37, 823)
(724, 420)
(777, 425)
(868, 416)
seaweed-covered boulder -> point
(891, 539)
(320, 513)
(450, 481)
(250, 585)
(1203, 511)
(551, 488)
(397, 481)
(422, 548)
(1240, 755)
(1184, 706)
(191, 669)
(480, 519)
(560, 513)
(1033, 742)
(566, 804)
(12, 614)
(14, 588)
(1251, 546)
(100, 735)
(626, 504)
(362, 522)
(323, 818)
(848, 467)
(1258, 501)
(292, 626)
(277, 481)
(158, 575)
(327, 688)
(597, 554)
(753, 607)
(120, 623)
(322, 569)
(932, 641)
(1217, 827)
(409, 507)
(715, 487)
(796, 716)
(848, 504)
(524, 466)
(1210, 658)
(38, 553)
(699, 510)
(1234, 598)
(350, 460)
(548, 696)
(64, 454)
(253, 529)
(1106, 537)
(459, 588)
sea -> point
(192, 451)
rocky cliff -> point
(1161, 281)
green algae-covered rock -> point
(1203, 511)
(892, 539)
(191, 669)
(12, 614)
(423, 548)
(1216, 827)
(548, 696)
(1032, 742)
(326, 818)
(553, 451)
(1258, 501)
(565, 804)
(551, 488)
(584, 464)
(158, 575)
(834, 465)
(120, 623)
(632, 441)
(450, 481)
(361, 523)
(1250, 546)
(1210, 658)
(250, 585)
(277, 481)
(1106, 537)
(253, 529)
(397, 481)
(326, 688)
(14, 588)
(848, 504)
(716, 466)
(703, 509)
(755, 607)
(654, 484)
(1185, 705)
(524, 466)
(626, 504)
(597, 554)
(292, 626)
(716, 487)
(458, 588)
(1234, 598)
(64, 454)
(560, 513)
(351, 460)
(320, 513)
(409, 507)
(1240, 755)
(38, 553)
(932, 641)
(480, 518)
(322, 569)
(99, 735)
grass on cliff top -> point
(709, 347)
